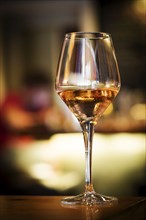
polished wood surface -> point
(49, 208)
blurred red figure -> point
(24, 110)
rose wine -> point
(88, 104)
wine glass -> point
(87, 81)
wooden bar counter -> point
(49, 208)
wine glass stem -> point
(88, 131)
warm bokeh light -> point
(58, 163)
(138, 111)
(139, 8)
(51, 178)
(109, 110)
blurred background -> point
(41, 145)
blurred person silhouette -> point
(30, 111)
(26, 115)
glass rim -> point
(88, 35)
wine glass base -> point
(90, 198)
